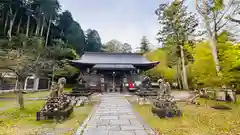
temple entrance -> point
(112, 82)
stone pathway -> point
(114, 116)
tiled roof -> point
(112, 58)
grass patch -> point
(67, 89)
(39, 94)
(7, 103)
(13, 102)
(196, 120)
(22, 122)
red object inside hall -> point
(130, 84)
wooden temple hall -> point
(112, 72)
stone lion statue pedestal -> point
(165, 109)
(164, 106)
(58, 105)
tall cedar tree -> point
(144, 45)
(176, 26)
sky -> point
(124, 20)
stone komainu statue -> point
(58, 88)
(167, 88)
(146, 82)
(164, 89)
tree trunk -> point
(36, 80)
(184, 73)
(42, 28)
(28, 23)
(212, 40)
(11, 24)
(3, 18)
(213, 46)
(179, 76)
(53, 73)
(19, 25)
(48, 31)
(5, 25)
(37, 29)
(38, 25)
(20, 94)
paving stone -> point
(119, 122)
(108, 117)
(95, 117)
(98, 122)
(127, 117)
(135, 122)
(96, 132)
(121, 133)
(109, 127)
(131, 127)
(91, 126)
(140, 132)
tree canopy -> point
(144, 45)
(117, 46)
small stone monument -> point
(165, 106)
(226, 94)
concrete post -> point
(16, 84)
(36, 83)
(25, 84)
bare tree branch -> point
(221, 26)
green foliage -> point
(177, 23)
(201, 67)
(22, 55)
(144, 45)
(42, 18)
(117, 47)
(161, 70)
(35, 38)
(218, 4)
(229, 55)
(94, 43)
(202, 70)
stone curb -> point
(83, 126)
(148, 129)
